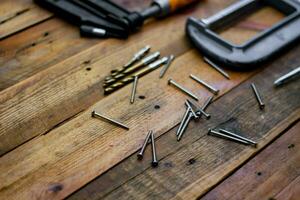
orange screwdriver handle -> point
(176, 4)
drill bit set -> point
(138, 66)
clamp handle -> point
(257, 50)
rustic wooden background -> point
(51, 79)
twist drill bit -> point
(132, 69)
(98, 115)
(141, 153)
(257, 96)
(136, 57)
(140, 73)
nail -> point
(285, 78)
(141, 153)
(166, 67)
(221, 71)
(206, 104)
(237, 136)
(221, 135)
(172, 82)
(95, 114)
(209, 87)
(188, 103)
(258, 98)
(133, 92)
(154, 158)
(188, 110)
(204, 113)
(185, 125)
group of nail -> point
(138, 66)
(149, 138)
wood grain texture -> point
(17, 15)
(37, 48)
(291, 192)
(275, 169)
(58, 93)
(190, 168)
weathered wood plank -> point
(189, 168)
(19, 14)
(38, 48)
(267, 174)
(291, 192)
(60, 92)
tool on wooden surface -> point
(206, 85)
(122, 82)
(98, 115)
(257, 96)
(216, 67)
(238, 136)
(129, 70)
(225, 136)
(154, 156)
(188, 117)
(257, 50)
(189, 105)
(181, 88)
(136, 57)
(166, 67)
(140, 155)
(103, 18)
(133, 92)
(287, 77)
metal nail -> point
(221, 135)
(209, 87)
(188, 110)
(166, 67)
(221, 71)
(285, 78)
(188, 103)
(237, 136)
(200, 110)
(133, 92)
(154, 157)
(185, 125)
(258, 98)
(98, 115)
(206, 104)
(172, 82)
(141, 153)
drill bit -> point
(140, 73)
(132, 69)
(136, 57)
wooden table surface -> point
(51, 79)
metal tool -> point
(237, 136)
(103, 18)
(98, 115)
(206, 85)
(188, 104)
(257, 96)
(287, 77)
(140, 155)
(140, 73)
(186, 91)
(258, 49)
(216, 67)
(221, 135)
(144, 62)
(154, 157)
(166, 67)
(136, 57)
(187, 118)
(133, 92)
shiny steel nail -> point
(188, 110)
(154, 157)
(133, 92)
(98, 115)
(206, 85)
(237, 136)
(206, 104)
(185, 125)
(221, 71)
(258, 98)
(221, 135)
(141, 153)
(189, 104)
(166, 67)
(172, 82)
(285, 78)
